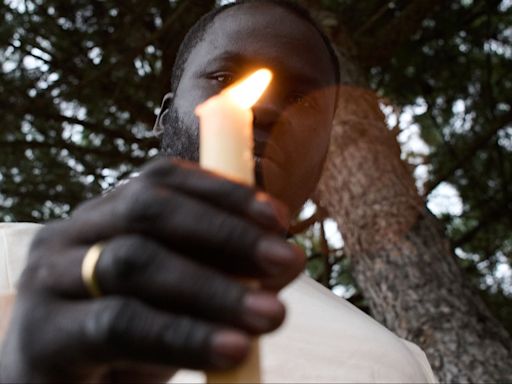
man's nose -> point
(265, 116)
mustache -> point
(180, 139)
(265, 144)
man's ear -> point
(163, 115)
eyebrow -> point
(227, 56)
(286, 69)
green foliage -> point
(81, 82)
(458, 66)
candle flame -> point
(247, 91)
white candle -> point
(226, 138)
(226, 147)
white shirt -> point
(324, 337)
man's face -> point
(292, 121)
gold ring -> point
(89, 268)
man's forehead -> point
(267, 32)
(264, 17)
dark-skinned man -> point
(175, 237)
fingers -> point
(115, 329)
(198, 214)
(189, 179)
(173, 239)
(134, 266)
(191, 227)
(119, 329)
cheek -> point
(305, 143)
(188, 96)
(309, 137)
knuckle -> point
(85, 207)
(222, 293)
(107, 322)
(187, 335)
(236, 235)
(37, 276)
(31, 328)
(162, 167)
(38, 270)
(142, 204)
(124, 259)
(45, 236)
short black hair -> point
(197, 32)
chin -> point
(275, 180)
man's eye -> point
(296, 99)
(302, 100)
(223, 78)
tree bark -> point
(401, 258)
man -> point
(171, 241)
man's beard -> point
(180, 139)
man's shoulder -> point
(325, 338)
(15, 239)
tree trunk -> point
(401, 258)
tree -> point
(81, 82)
(400, 256)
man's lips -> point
(268, 150)
(258, 162)
(263, 164)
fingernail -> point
(275, 255)
(263, 311)
(269, 211)
(229, 348)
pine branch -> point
(324, 249)
(73, 149)
(381, 46)
(50, 115)
(301, 226)
(372, 19)
(168, 28)
(471, 150)
(489, 217)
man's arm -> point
(174, 240)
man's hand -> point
(177, 239)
